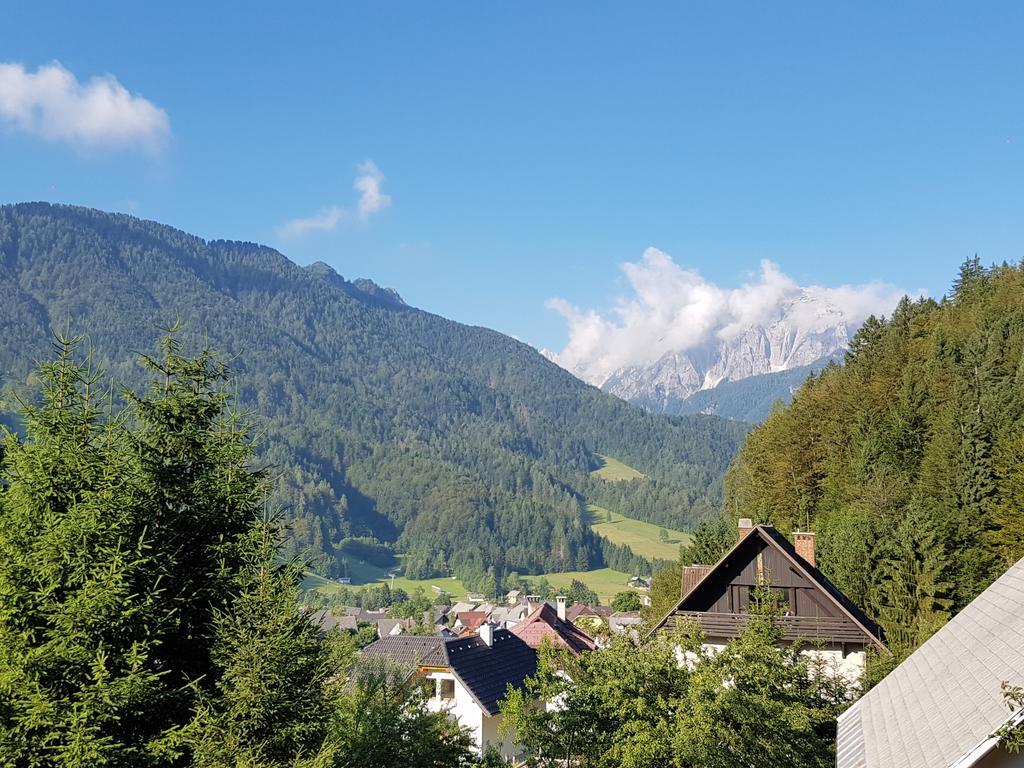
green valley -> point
(388, 430)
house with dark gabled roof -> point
(717, 596)
(470, 677)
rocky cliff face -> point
(805, 329)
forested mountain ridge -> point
(463, 447)
(908, 461)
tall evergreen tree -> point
(270, 708)
(911, 590)
(80, 621)
(201, 498)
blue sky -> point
(525, 151)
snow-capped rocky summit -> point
(805, 328)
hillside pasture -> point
(615, 471)
(643, 538)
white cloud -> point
(371, 200)
(326, 218)
(51, 103)
(673, 309)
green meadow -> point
(643, 538)
(615, 471)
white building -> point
(471, 676)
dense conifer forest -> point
(908, 460)
(385, 428)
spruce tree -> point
(80, 622)
(270, 707)
(201, 497)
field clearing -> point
(643, 538)
(614, 471)
(449, 584)
(606, 582)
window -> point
(446, 689)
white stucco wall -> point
(850, 666)
(484, 729)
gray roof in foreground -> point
(940, 707)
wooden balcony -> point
(810, 629)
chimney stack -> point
(486, 633)
(691, 575)
(803, 542)
(746, 526)
(560, 602)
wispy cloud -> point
(673, 309)
(52, 104)
(327, 218)
(371, 200)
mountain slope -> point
(908, 460)
(750, 399)
(464, 448)
(805, 329)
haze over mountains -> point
(391, 430)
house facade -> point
(815, 612)
(470, 676)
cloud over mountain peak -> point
(675, 310)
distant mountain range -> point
(804, 336)
(750, 399)
(390, 430)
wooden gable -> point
(814, 609)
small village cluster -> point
(941, 707)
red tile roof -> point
(544, 623)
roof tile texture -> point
(944, 700)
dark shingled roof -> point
(485, 671)
(410, 650)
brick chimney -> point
(560, 602)
(746, 526)
(691, 575)
(803, 542)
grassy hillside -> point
(614, 471)
(458, 447)
(606, 582)
(643, 538)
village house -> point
(942, 707)
(716, 597)
(591, 619)
(507, 616)
(547, 624)
(625, 623)
(470, 676)
(328, 621)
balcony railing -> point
(809, 628)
